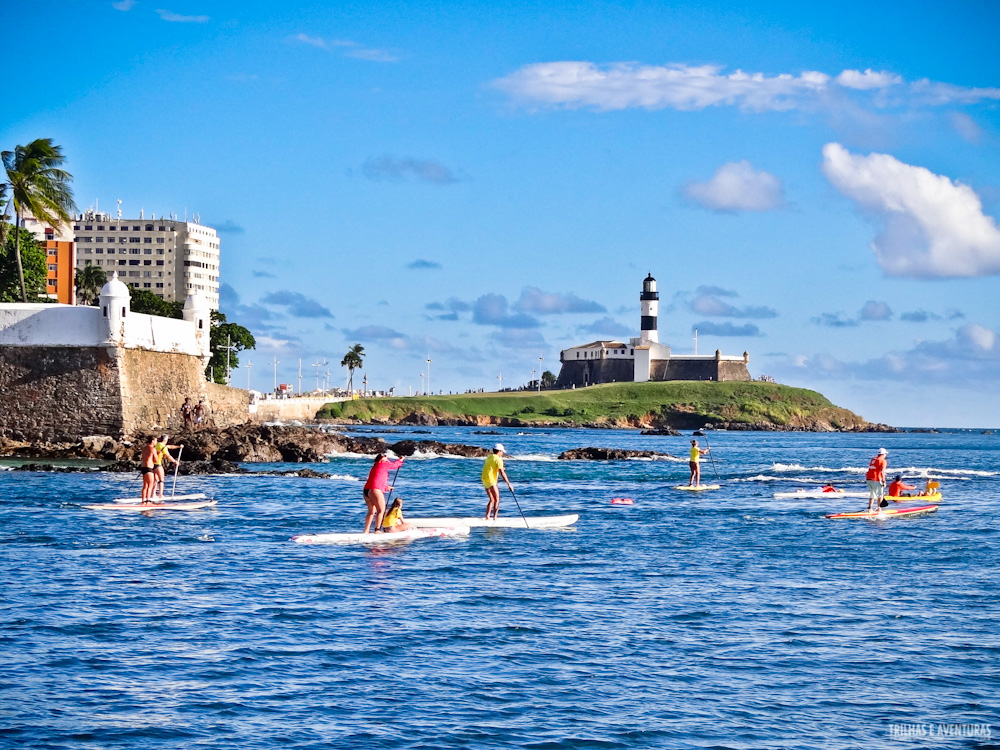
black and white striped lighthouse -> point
(649, 304)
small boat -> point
(934, 497)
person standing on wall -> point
(492, 469)
(875, 478)
(187, 412)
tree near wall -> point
(548, 379)
(145, 302)
(353, 360)
(89, 282)
(38, 187)
(223, 335)
(34, 268)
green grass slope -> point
(678, 404)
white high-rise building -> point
(169, 257)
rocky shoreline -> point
(222, 451)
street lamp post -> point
(428, 374)
(249, 368)
(500, 378)
(275, 363)
(539, 374)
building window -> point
(149, 227)
(89, 227)
(159, 262)
(134, 251)
(148, 251)
(135, 240)
(98, 239)
(99, 250)
(123, 262)
(162, 229)
(159, 240)
(53, 267)
(147, 263)
(159, 285)
(136, 228)
(146, 285)
(147, 240)
(133, 262)
(100, 227)
(111, 251)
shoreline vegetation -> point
(660, 407)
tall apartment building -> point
(60, 258)
(169, 257)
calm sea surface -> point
(729, 619)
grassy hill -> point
(676, 404)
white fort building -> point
(644, 358)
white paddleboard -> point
(508, 522)
(380, 538)
(171, 499)
(139, 508)
(698, 488)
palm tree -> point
(89, 282)
(37, 187)
(353, 360)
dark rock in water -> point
(409, 447)
(215, 466)
(486, 432)
(608, 454)
(698, 433)
(662, 431)
(419, 417)
(304, 473)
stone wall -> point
(63, 393)
(59, 393)
(586, 372)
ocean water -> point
(729, 619)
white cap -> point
(499, 448)
(883, 452)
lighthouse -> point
(649, 304)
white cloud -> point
(124, 5)
(168, 15)
(348, 48)
(685, 87)
(534, 300)
(873, 310)
(931, 227)
(971, 358)
(710, 304)
(853, 79)
(967, 127)
(737, 186)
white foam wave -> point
(344, 477)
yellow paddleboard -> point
(699, 487)
(935, 498)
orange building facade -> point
(60, 258)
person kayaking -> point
(375, 487)
(393, 520)
(491, 470)
(899, 488)
(875, 478)
(147, 469)
(695, 463)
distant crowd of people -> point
(193, 414)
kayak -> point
(698, 488)
(380, 538)
(886, 513)
(509, 522)
(171, 499)
(932, 498)
(139, 508)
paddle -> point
(526, 525)
(711, 456)
(392, 486)
(177, 465)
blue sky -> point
(485, 184)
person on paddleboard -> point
(694, 463)
(393, 520)
(875, 478)
(492, 469)
(163, 453)
(899, 488)
(147, 470)
(376, 486)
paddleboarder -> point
(875, 478)
(492, 469)
(695, 463)
(375, 487)
(162, 452)
(147, 470)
